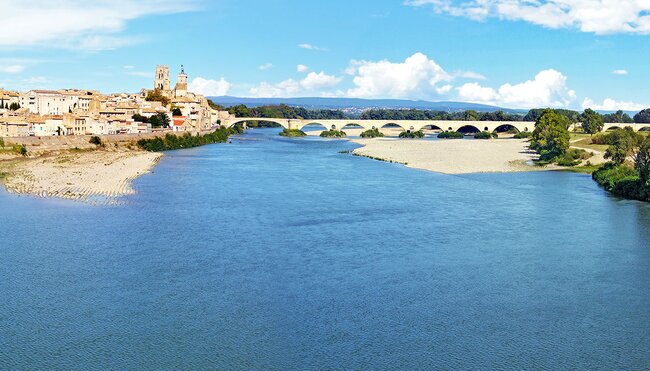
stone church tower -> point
(181, 84)
(162, 78)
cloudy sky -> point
(512, 53)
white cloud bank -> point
(417, 76)
(610, 104)
(209, 87)
(312, 83)
(80, 24)
(593, 16)
(619, 72)
(548, 88)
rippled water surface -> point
(283, 253)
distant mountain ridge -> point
(354, 104)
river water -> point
(284, 253)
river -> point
(276, 253)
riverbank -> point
(454, 156)
(96, 177)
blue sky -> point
(513, 53)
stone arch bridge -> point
(414, 125)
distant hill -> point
(357, 104)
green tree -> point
(624, 143)
(619, 117)
(643, 117)
(551, 135)
(642, 163)
(536, 113)
(592, 121)
(95, 140)
(14, 106)
(157, 96)
(177, 112)
(139, 118)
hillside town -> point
(88, 112)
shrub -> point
(451, 135)
(95, 140)
(2, 143)
(610, 174)
(187, 140)
(412, 134)
(573, 157)
(485, 135)
(372, 133)
(292, 133)
(20, 149)
(602, 138)
(523, 135)
(333, 134)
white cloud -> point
(611, 105)
(470, 75)
(12, 68)
(209, 87)
(619, 72)
(141, 74)
(416, 77)
(547, 89)
(474, 92)
(302, 68)
(444, 89)
(594, 16)
(89, 25)
(311, 47)
(284, 89)
(128, 67)
(291, 88)
(317, 81)
(266, 66)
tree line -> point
(288, 112)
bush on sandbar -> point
(333, 134)
(451, 135)
(523, 135)
(292, 133)
(412, 134)
(485, 135)
(372, 133)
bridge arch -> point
(611, 128)
(352, 125)
(260, 119)
(468, 129)
(505, 128)
(315, 125)
(432, 127)
(392, 125)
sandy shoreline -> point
(93, 177)
(453, 156)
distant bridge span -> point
(413, 125)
